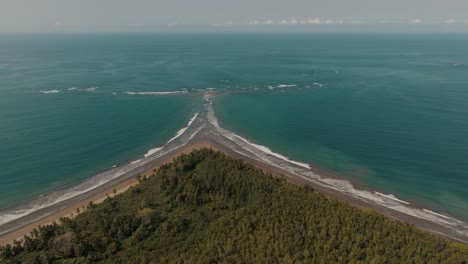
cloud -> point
(416, 21)
(313, 21)
(307, 21)
(450, 21)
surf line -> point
(392, 197)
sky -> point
(232, 15)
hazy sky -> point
(156, 15)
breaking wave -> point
(128, 170)
(50, 92)
(181, 131)
(270, 152)
(204, 125)
(286, 85)
(158, 93)
(90, 89)
(391, 196)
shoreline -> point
(68, 208)
(101, 196)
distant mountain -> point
(206, 207)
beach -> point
(204, 131)
(121, 187)
(111, 191)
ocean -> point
(384, 111)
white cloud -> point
(314, 21)
(416, 21)
(294, 21)
(450, 21)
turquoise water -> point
(387, 111)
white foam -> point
(286, 85)
(136, 161)
(270, 152)
(254, 151)
(90, 89)
(319, 84)
(434, 213)
(152, 151)
(208, 96)
(271, 87)
(392, 197)
(100, 179)
(158, 93)
(51, 91)
(181, 131)
(17, 214)
(265, 155)
(72, 89)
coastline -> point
(97, 198)
(203, 130)
(121, 187)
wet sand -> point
(100, 194)
(81, 204)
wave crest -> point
(51, 91)
(158, 93)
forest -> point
(206, 207)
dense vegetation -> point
(206, 207)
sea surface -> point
(384, 111)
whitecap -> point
(319, 84)
(90, 89)
(50, 91)
(286, 85)
(158, 93)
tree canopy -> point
(206, 207)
